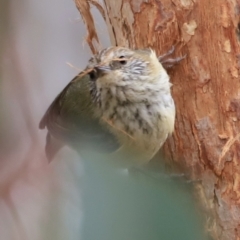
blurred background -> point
(42, 47)
(37, 40)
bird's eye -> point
(93, 75)
(123, 62)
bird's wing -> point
(73, 118)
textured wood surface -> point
(206, 91)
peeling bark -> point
(205, 89)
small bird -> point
(120, 104)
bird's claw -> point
(170, 62)
(170, 52)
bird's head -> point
(119, 65)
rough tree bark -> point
(205, 88)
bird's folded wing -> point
(72, 117)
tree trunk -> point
(205, 89)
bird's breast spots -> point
(135, 121)
(123, 103)
(113, 115)
(106, 99)
(95, 94)
(136, 115)
(129, 130)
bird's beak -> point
(103, 69)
